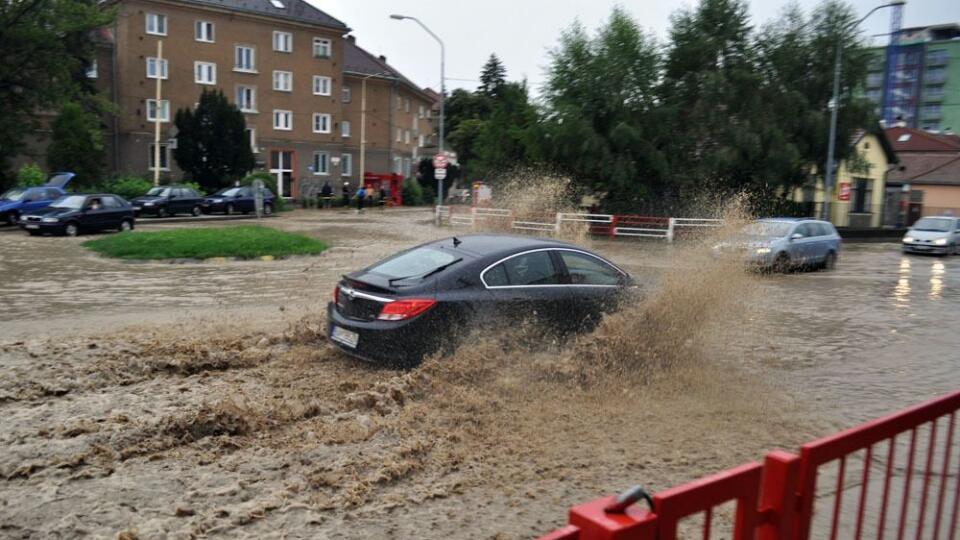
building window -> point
(203, 31)
(153, 64)
(164, 157)
(247, 98)
(862, 194)
(937, 57)
(406, 137)
(321, 48)
(406, 167)
(321, 163)
(161, 113)
(345, 128)
(156, 24)
(398, 165)
(283, 81)
(406, 105)
(283, 42)
(420, 141)
(321, 85)
(92, 69)
(346, 164)
(345, 94)
(931, 111)
(874, 80)
(399, 103)
(874, 95)
(937, 75)
(321, 123)
(421, 111)
(934, 91)
(399, 134)
(282, 120)
(204, 73)
(245, 59)
(252, 139)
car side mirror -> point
(796, 236)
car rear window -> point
(413, 263)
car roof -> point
(941, 217)
(787, 219)
(482, 245)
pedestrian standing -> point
(361, 195)
(326, 193)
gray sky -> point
(521, 32)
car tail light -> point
(405, 309)
(336, 294)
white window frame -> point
(159, 20)
(205, 73)
(346, 164)
(281, 40)
(281, 113)
(406, 136)
(241, 94)
(253, 58)
(406, 105)
(321, 89)
(281, 76)
(345, 129)
(163, 109)
(317, 169)
(203, 31)
(164, 157)
(421, 139)
(163, 64)
(321, 43)
(346, 94)
(399, 135)
(253, 139)
(322, 123)
(420, 112)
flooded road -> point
(158, 399)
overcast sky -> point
(521, 32)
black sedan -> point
(73, 214)
(419, 301)
(236, 199)
(163, 201)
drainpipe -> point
(115, 99)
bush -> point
(412, 193)
(30, 175)
(271, 183)
(127, 187)
(194, 186)
(241, 242)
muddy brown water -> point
(169, 400)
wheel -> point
(229, 211)
(830, 262)
(13, 218)
(267, 209)
(126, 225)
(34, 233)
(71, 229)
(162, 212)
(196, 211)
(781, 263)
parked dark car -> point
(236, 199)
(18, 201)
(163, 201)
(419, 301)
(74, 214)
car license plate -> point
(31, 226)
(346, 337)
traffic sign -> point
(440, 161)
(844, 191)
(440, 174)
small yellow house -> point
(857, 196)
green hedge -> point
(244, 242)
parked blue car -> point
(18, 201)
(236, 199)
(782, 244)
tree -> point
(492, 77)
(47, 46)
(505, 141)
(76, 144)
(212, 145)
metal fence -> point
(894, 477)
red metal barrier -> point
(777, 500)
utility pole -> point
(156, 116)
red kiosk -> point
(392, 183)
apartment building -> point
(398, 113)
(925, 88)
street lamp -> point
(834, 105)
(363, 122)
(443, 90)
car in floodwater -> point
(938, 235)
(71, 215)
(423, 300)
(235, 199)
(163, 201)
(782, 244)
(21, 200)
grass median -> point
(204, 243)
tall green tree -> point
(76, 144)
(508, 139)
(212, 145)
(492, 77)
(45, 48)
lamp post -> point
(828, 175)
(363, 123)
(443, 91)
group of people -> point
(363, 195)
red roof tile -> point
(906, 139)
